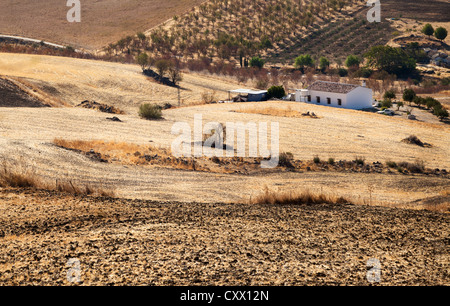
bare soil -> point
(134, 242)
(432, 10)
(102, 22)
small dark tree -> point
(303, 61)
(440, 112)
(389, 95)
(142, 60)
(431, 102)
(440, 33)
(174, 72)
(276, 92)
(342, 72)
(324, 63)
(428, 29)
(390, 59)
(162, 66)
(352, 61)
(386, 103)
(419, 101)
(409, 95)
(256, 62)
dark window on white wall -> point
(318, 99)
(339, 102)
(329, 100)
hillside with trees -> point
(235, 30)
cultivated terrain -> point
(124, 242)
(103, 22)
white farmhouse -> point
(337, 95)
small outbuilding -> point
(248, 95)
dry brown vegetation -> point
(277, 111)
(19, 175)
(296, 198)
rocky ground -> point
(136, 242)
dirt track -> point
(126, 242)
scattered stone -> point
(99, 106)
(115, 119)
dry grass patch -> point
(279, 112)
(39, 94)
(127, 153)
(296, 198)
(18, 175)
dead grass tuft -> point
(12, 176)
(296, 198)
(17, 175)
(279, 112)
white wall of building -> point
(359, 98)
(334, 98)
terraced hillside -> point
(336, 40)
(236, 29)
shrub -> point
(389, 95)
(296, 198)
(324, 63)
(414, 140)
(428, 29)
(142, 60)
(209, 97)
(440, 112)
(352, 61)
(441, 33)
(303, 61)
(150, 111)
(417, 167)
(256, 62)
(342, 72)
(391, 164)
(359, 160)
(286, 160)
(277, 92)
(409, 95)
(316, 159)
(331, 161)
(431, 102)
(419, 101)
(386, 103)
(363, 73)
